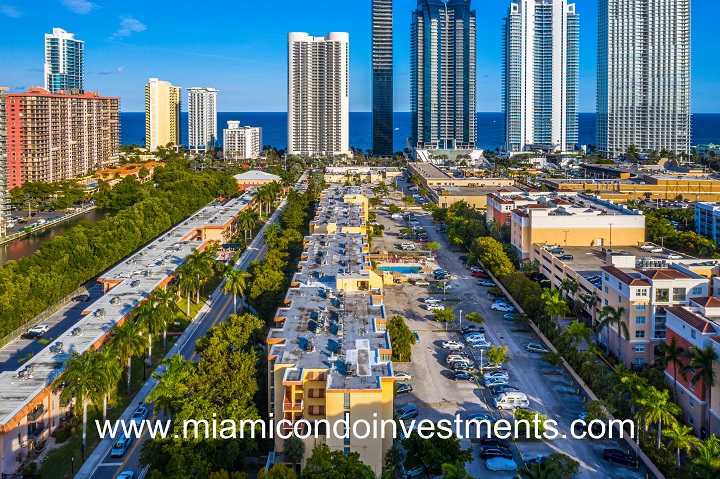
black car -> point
(404, 388)
(566, 257)
(32, 335)
(472, 329)
(461, 366)
(461, 375)
(494, 441)
(620, 457)
(495, 451)
(83, 298)
(463, 258)
(502, 389)
(538, 460)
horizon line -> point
(496, 112)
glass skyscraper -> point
(64, 62)
(382, 92)
(643, 76)
(442, 75)
(541, 75)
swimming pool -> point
(401, 269)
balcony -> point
(35, 430)
(290, 406)
(36, 413)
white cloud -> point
(128, 26)
(79, 6)
(10, 11)
(113, 72)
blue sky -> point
(240, 47)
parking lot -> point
(438, 397)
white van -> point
(511, 400)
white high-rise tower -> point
(318, 94)
(64, 62)
(202, 119)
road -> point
(100, 465)
(437, 397)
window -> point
(619, 299)
(697, 291)
(640, 348)
(662, 295)
(385, 358)
(641, 307)
(619, 285)
(679, 294)
(607, 277)
(606, 289)
(693, 334)
(346, 451)
(347, 400)
(639, 334)
(692, 402)
(640, 320)
(639, 361)
(691, 420)
(606, 302)
(641, 292)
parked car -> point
(421, 282)
(452, 345)
(481, 416)
(40, 328)
(672, 256)
(82, 298)
(504, 308)
(404, 388)
(566, 257)
(496, 374)
(402, 376)
(416, 336)
(656, 249)
(488, 366)
(462, 366)
(480, 274)
(454, 357)
(509, 316)
(472, 328)
(475, 269)
(408, 412)
(140, 414)
(537, 348)
(494, 441)
(557, 251)
(491, 383)
(431, 301)
(540, 460)
(647, 246)
(126, 475)
(495, 451)
(486, 282)
(480, 344)
(500, 464)
(435, 307)
(619, 456)
(503, 389)
(474, 336)
(462, 376)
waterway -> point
(30, 244)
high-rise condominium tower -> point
(202, 119)
(64, 62)
(318, 94)
(643, 92)
(4, 195)
(162, 114)
(241, 142)
(442, 75)
(540, 75)
(382, 51)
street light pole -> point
(611, 225)
(460, 321)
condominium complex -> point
(382, 87)
(162, 114)
(696, 324)
(442, 75)
(4, 192)
(643, 76)
(318, 94)
(569, 219)
(58, 137)
(64, 62)
(541, 67)
(707, 220)
(329, 353)
(241, 142)
(202, 119)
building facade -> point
(318, 94)
(707, 220)
(202, 119)
(541, 67)
(241, 142)
(60, 137)
(64, 62)
(162, 114)
(4, 191)
(443, 42)
(643, 76)
(382, 51)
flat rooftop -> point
(475, 190)
(333, 209)
(330, 257)
(135, 277)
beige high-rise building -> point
(162, 114)
(4, 195)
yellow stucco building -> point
(162, 114)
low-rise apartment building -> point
(501, 204)
(569, 219)
(696, 325)
(707, 220)
(341, 209)
(329, 354)
(363, 174)
(255, 178)
(53, 137)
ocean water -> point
(705, 128)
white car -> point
(456, 358)
(40, 328)
(647, 246)
(673, 256)
(480, 344)
(402, 376)
(431, 301)
(126, 475)
(496, 374)
(500, 464)
(452, 345)
(491, 383)
(656, 249)
(474, 336)
(435, 307)
(505, 308)
(537, 348)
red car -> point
(479, 274)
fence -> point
(42, 316)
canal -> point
(30, 244)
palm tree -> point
(554, 304)
(107, 363)
(455, 471)
(673, 354)
(144, 316)
(706, 460)
(701, 368)
(611, 316)
(235, 284)
(202, 264)
(187, 283)
(272, 233)
(656, 407)
(568, 286)
(578, 332)
(165, 307)
(81, 378)
(126, 342)
(394, 457)
(534, 472)
(171, 385)
(680, 438)
(294, 451)
(248, 221)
